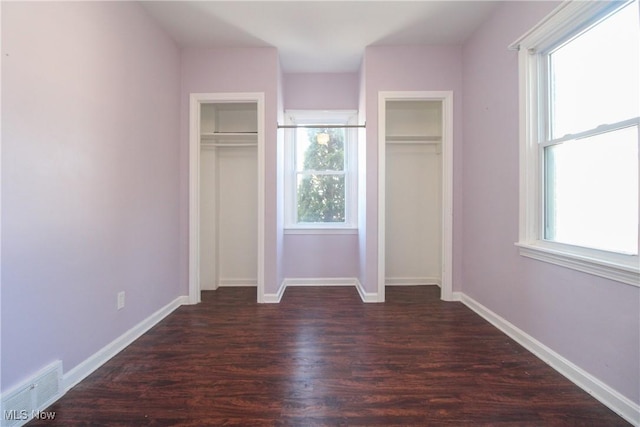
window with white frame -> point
(580, 103)
(320, 171)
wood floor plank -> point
(323, 358)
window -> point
(580, 103)
(320, 179)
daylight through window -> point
(591, 149)
(321, 170)
(320, 175)
(579, 141)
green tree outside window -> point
(321, 185)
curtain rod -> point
(319, 126)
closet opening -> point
(226, 192)
(415, 190)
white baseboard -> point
(229, 283)
(223, 283)
(322, 281)
(275, 298)
(618, 403)
(615, 401)
(319, 281)
(81, 371)
(412, 281)
(367, 297)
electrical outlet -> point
(120, 300)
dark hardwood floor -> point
(322, 357)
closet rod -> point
(232, 145)
(427, 142)
(320, 126)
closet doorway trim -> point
(446, 97)
(195, 101)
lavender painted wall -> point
(591, 321)
(410, 68)
(95, 183)
(232, 70)
(321, 91)
(89, 178)
(321, 255)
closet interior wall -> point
(228, 195)
(413, 230)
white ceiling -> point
(318, 36)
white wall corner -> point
(81, 371)
(609, 397)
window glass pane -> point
(320, 149)
(591, 191)
(321, 198)
(594, 78)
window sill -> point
(625, 270)
(301, 230)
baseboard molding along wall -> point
(229, 283)
(326, 281)
(609, 397)
(618, 403)
(412, 281)
(366, 296)
(84, 369)
(224, 283)
(34, 404)
(275, 298)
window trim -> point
(566, 20)
(322, 117)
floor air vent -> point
(27, 401)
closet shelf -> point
(227, 144)
(207, 136)
(414, 139)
